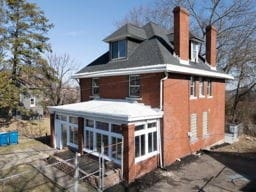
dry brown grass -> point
(246, 144)
(33, 128)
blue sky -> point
(81, 25)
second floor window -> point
(95, 86)
(192, 87)
(209, 88)
(118, 49)
(134, 86)
(201, 87)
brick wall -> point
(85, 89)
(117, 87)
(176, 123)
(134, 170)
(177, 109)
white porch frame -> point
(108, 133)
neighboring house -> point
(153, 92)
(31, 102)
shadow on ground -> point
(44, 139)
(243, 164)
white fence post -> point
(76, 175)
(122, 158)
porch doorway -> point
(61, 135)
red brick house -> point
(152, 91)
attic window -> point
(118, 49)
(194, 51)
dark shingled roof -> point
(128, 30)
(155, 48)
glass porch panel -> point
(106, 146)
(89, 140)
(98, 142)
(64, 135)
(119, 149)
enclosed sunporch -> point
(120, 126)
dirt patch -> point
(246, 144)
(33, 128)
(182, 162)
(27, 179)
(223, 168)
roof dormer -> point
(123, 41)
(195, 44)
(194, 51)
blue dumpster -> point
(4, 138)
(14, 137)
(7, 138)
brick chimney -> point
(181, 33)
(211, 35)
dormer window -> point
(118, 49)
(194, 51)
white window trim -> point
(93, 87)
(68, 124)
(68, 132)
(145, 132)
(107, 133)
(211, 87)
(194, 95)
(201, 84)
(194, 59)
(134, 96)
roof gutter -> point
(154, 69)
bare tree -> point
(235, 21)
(60, 88)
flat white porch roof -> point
(121, 110)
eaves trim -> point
(154, 69)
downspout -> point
(161, 108)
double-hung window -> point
(134, 86)
(201, 87)
(192, 87)
(95, 86)
(209, 88)
(194, 52)
(118, 49)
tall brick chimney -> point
(181, 32)
(211, 35)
